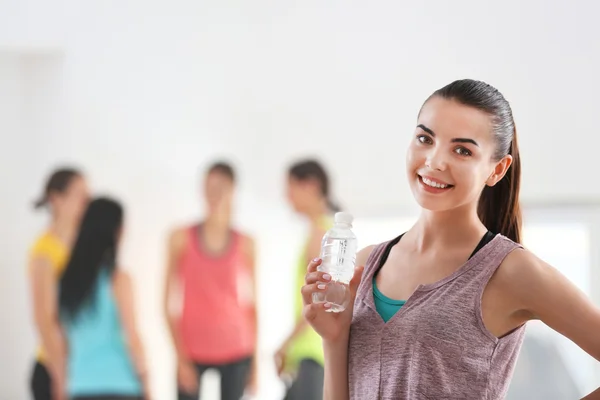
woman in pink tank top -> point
(212, 265)
(440, 312)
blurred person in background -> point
(213, 266)
(105, 357)
(65, 196)
(301, 354)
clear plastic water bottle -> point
(338, 252)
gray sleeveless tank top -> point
(436, 346)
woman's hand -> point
(187, 377)
(280, 359)
(329, 325)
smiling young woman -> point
(440, 311)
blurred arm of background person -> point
(124, 293)
(45, 300)
(250, 251)
(313, 250)
(187, 377)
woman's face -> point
(72, 203)
(301, 193)
(219, 190)
(451, 155)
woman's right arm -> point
(45, 309)
(174, 248)
(187, 378)
(334, 328)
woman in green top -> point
(301, 354)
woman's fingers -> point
(312, 310)
(308, 290)
(317, 281)
(317, 276)
(313, 264)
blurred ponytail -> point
(333, 207)
(40, 203)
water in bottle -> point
(338, 255)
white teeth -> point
(433, 184)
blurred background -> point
(143, 95)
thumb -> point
(355, 282)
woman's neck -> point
(217, 223)
(65, 231)
(316, 212)
(447, 228)
(215, 234)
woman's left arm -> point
(124, 294)
(250, 251)
(549, 296)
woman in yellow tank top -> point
(66, 196)
(301, 355)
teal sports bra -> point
(387, 307)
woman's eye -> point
(424, 139)
(461, 151)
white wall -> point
(147, 93)
(28, 95)
(314, 75)
(11, 107)
(346, 79)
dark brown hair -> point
(223, 168)
(498, 208)
(312, 169)
(58, 182)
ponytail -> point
(58, 182)
(499, 208)
(40, 203)
(333, 207)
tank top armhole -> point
(192, 234)
(238, 239)
(190, 240)
(371, 266)
(238, 248)
(185, 247)
(43, 247)
(374, 259)
(504, 247)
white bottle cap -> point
(343, 218)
